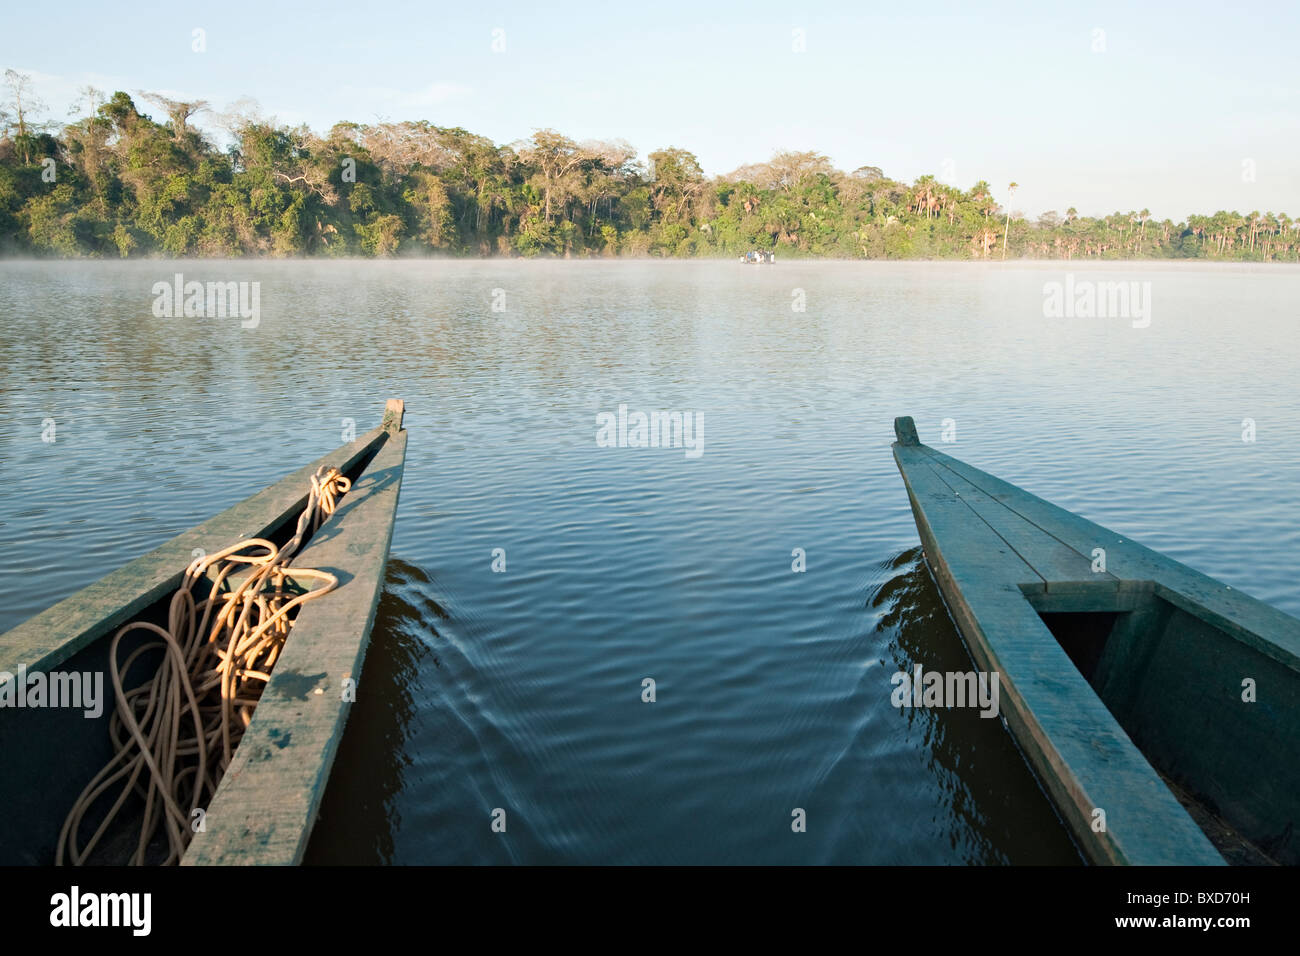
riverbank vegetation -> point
(120, 182)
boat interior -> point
(1207, 703)
(51, 753)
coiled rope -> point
(175, 734)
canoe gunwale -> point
(1082, 756)
(353, 544)
(266, 805)
(46, 640)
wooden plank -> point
(1075, 597)
(1259, 625)
(51, 637)
(1076, 746)
(935, 502)
(266, 804)
(1052, 559)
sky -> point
(1173, 107)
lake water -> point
(522, 690)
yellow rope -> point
(175, 734)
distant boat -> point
(1158, 706)
(758, 257)
(266, 804)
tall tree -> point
(22, 102)
(1011, 191)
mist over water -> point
(522, 690)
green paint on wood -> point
(991, 553)
(905, 431)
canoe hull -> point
(51, 752)
(1119, 680)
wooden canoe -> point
(266, 804)
(1138, 687)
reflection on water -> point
(901, 786)
(358, 813)
(972, 759)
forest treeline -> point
(116, 182)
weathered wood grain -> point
(393, 414)
(980, 547)
(266, 804)
(1262, 626)
(1054, 561)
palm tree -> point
(924, 195)
(1011, 191)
